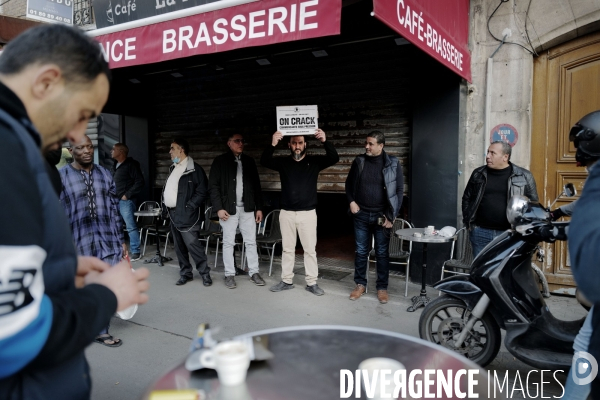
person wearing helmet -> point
(584, 242)
(588, 152)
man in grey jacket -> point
(374, 189)
(488, 191)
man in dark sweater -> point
(374, 189)
(129, 181)
(488, 191)
(298, 216)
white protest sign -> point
(297, 120)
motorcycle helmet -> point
(585, 134)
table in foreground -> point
(309, 361)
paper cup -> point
(379, 364)
(230, 359)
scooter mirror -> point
(569, 190)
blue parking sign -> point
(506, 133)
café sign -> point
(115, 12)
(438, 27)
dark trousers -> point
(365, 225)
(186, 243)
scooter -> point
(501, 292)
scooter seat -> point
(546, 342)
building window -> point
(82, 12)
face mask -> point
(176, 160)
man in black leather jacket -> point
(488, 191)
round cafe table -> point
(307, 363)
(409, 234)
(156, 213)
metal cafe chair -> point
(396, 249)
(461, 265)
(268, 239)
(207, 229)
(239, 241)
(212, 229)
(144, 223)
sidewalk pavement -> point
(158, 336)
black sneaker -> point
(281, 286)
(230, 282)
(135, 256)
(257, 279)
(315, 289)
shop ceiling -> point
(358, 28)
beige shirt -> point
(173, 183)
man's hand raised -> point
(277, 136)
(320, 135)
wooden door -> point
(566, 87)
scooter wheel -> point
(444, 318)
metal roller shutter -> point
(91, 131)
(355, 95)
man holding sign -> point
(299, 174)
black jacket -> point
(50, 359)
(584, 237)
(520, 182)
(192, 190)
(128, 178)
(222, 184)
(392, 177)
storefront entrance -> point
(368, 78)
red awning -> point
(255, 23)
(438, 27)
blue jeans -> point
(127, 208)
(574, 391)
(480, 237)
(365, 225)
